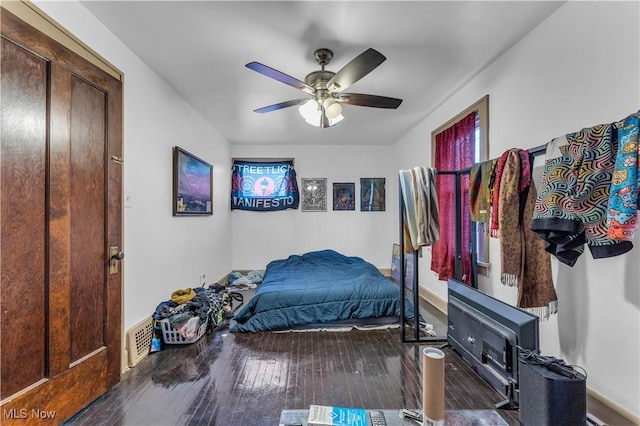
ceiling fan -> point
(324, 107)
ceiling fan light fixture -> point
(311, 112)
(336, 120)
(332, 109)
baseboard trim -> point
(613, 406)
(438, 302)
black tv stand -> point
(507, 404)
(488, 334)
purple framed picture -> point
(192, 185)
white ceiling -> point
(200, 48)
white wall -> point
(259, 237)
(162, 253)
(577, 69)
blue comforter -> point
(319, 287)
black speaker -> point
(549, 398)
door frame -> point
(30, 15)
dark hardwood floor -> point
(248, 379)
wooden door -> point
(60, 317)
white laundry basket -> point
(171, 336)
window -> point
(456, 146)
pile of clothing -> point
(189, 308)
(251, 280)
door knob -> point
(119, 256)
(114, 255)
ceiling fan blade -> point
(374, 101)
(281, 105)
(360, 66)
(280, 76)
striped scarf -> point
(422, 222)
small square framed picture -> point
(344, 196)
(314, 194)
(372, 194)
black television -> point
(489, 334)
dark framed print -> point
(344, 196)
(314, 194)
(192, 184)
(372, 194)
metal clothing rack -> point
(538, 150)
(414, 287)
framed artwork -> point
(192, 184)
(344, 196)
(372, 194)
(314, 194)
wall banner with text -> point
(264, 186)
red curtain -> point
(455, 148)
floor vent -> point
(139, 341)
